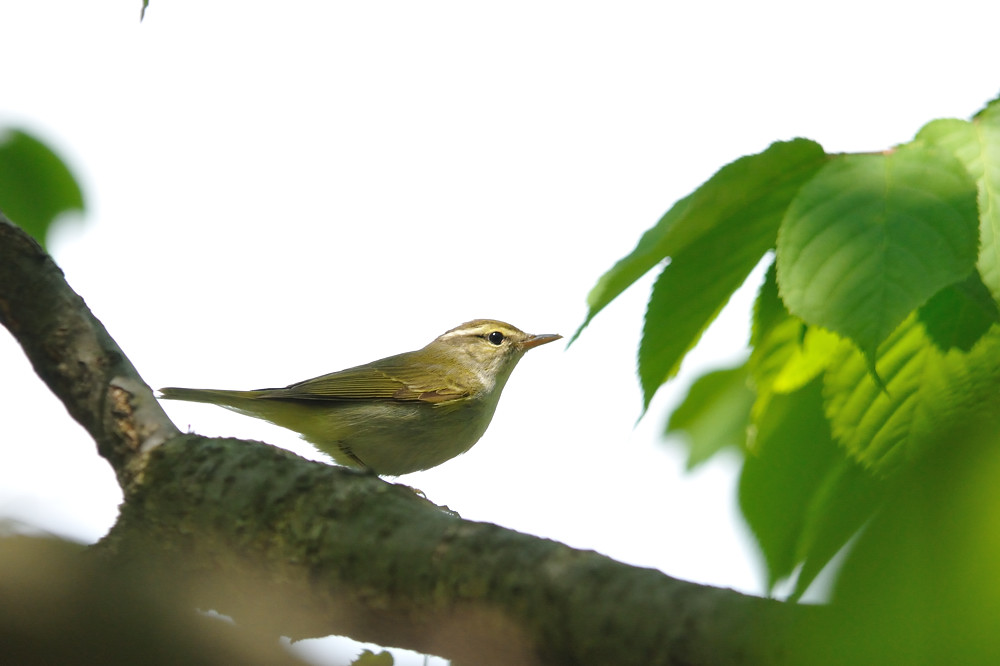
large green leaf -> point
(872, 237)
(710, 266)
(752, 185)
(36, 186)
(714, 414)
(977, 145)
(794, 455)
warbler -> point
(400, 414)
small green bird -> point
(401, 414)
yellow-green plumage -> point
(400, 414)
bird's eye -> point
(496, 337)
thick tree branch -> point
(305, 549)
(350, 553)
(74, 355)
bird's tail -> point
(246, 402)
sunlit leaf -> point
(872, 237)
(977, 145)
(36, 187)
(774, 335)
(786, 353)
(767, 359)
(882, 428)
(755, 185)
(714, 414)
(809, 357)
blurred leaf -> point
(921, 584)
(752, 186)
(977, 145)
(872, 237)
(35, 185)
(369, 658)
(793, 457)
(960, 314)
(845, 500)
(714, 414)
(788, 356)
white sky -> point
(279, 190)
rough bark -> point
(298, 548)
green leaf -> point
(809, 357)
(786, 353)
(813, 521)
(794, 455)
(714, 414)
(841, 505)
(882, 428)
(689, 293)
(710, 266)
(977, 145)
(647, 254)
(767, 359)
(768, 310)
(774, 336)
(752, 185)
(960, 314)
(36, 187)
(930, 394)
(872, 237)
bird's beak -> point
(537, 340)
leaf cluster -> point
(874, 333)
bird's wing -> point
(387, 379)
